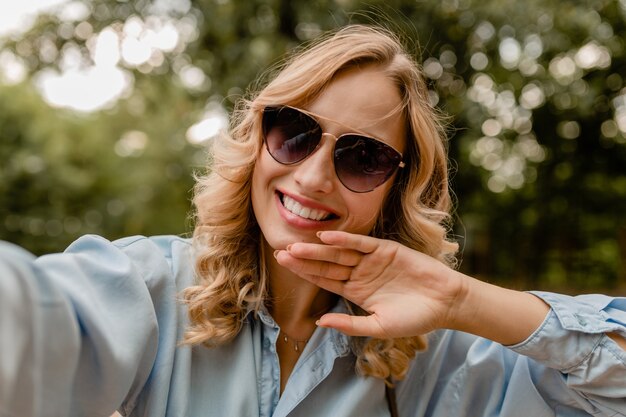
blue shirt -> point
(99, 326)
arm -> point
(389, 280)
(495, 313)
(78, 331)
(408, 293)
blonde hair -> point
(232, 279)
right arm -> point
(78, 330)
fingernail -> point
(276, 253)
(289, 247)
(317, 322)
(318, 234)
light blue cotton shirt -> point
(98, 328)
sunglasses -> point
(361, 163)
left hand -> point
(406, 292)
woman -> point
(323, 220)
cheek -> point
(259, 187)
(264, 172)
(364, 210)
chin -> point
(281, 242)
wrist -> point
(460, 311)
(499, 314)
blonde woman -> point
(319, 280)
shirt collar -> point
(340, 341)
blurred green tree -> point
(535, 91)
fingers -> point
(328, 284)
(353, 325)
(333, 254)
(310, 267)
(361, 243)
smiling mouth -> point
(299, 210)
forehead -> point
(365, 100)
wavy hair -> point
(232, 277)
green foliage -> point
(61, 176)
(535, 89)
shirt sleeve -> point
(573, 340)
(79, 331)
(567, 367)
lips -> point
(299, 210)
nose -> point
(316, 173)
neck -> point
(295, 303)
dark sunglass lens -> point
(363, 164)
(290, 135)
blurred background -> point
(107, 108)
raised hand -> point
(406, 292)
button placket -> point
(270, 367)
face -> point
(292, 202)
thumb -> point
(353, 325)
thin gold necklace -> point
(296, 343)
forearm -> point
(499, 314)
(502, 315)
(64, 318)
(31, 350)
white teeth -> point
(308, 213)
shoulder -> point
(167, 247)
(153, 258)
(138, 247)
